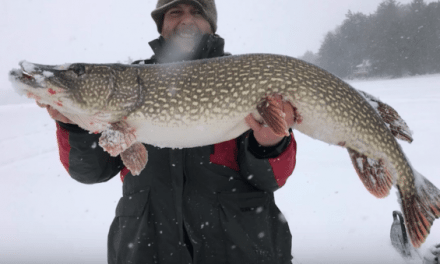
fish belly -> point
(167, 136)
(321, 125)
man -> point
(210, 204)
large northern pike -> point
(203, 102)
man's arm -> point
(80, 153)
(266, 159)
(82, 156)
(266, 168)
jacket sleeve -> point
(266, 168)
(82, 157)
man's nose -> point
(187, 18)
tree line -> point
(397, 40)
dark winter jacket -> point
(211, 204)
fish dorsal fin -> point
(395, 123)
(271, 110)
(372, 173)
(135, 158)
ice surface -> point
(332, 217)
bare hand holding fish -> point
(264, 135)
(55, 114)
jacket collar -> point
(210, 46)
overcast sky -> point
(102, 31)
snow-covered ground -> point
(333, 218)
(46, 217)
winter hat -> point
(207, 7)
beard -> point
(182, 45)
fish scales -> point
(205, 102)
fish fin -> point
(398, 127)
(421, 210)
(271, 110)
(372, 173)
(135, 158)
(396, 124)
(119, 137)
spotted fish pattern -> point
(204, 102)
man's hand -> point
(433, 255)
(55, 114)
(264, 134)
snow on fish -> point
(203, 102)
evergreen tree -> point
(387, 50)
(310, 57)
(342, 50)
(397, 40)
(432, 61)
(354, 36)
(416, 37)
(331, 55)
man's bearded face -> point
(183, 28)
(185, 38)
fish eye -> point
(79, 69)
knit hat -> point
(207, 7)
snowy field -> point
(46, 217)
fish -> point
(204, 102)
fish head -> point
(78, 87)
(49, 84)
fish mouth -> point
(21, 75)
(26, 76)
(30, 74)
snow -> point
(64, 66)
(27, 66)
(46, 217)
(49, 218)
(360, 163)
(47, 74)
(332, 217)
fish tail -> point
(421, 210)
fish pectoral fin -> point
(119, 137)
(372, 173)
(420, 210)
(135, 158)
(271, 110)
